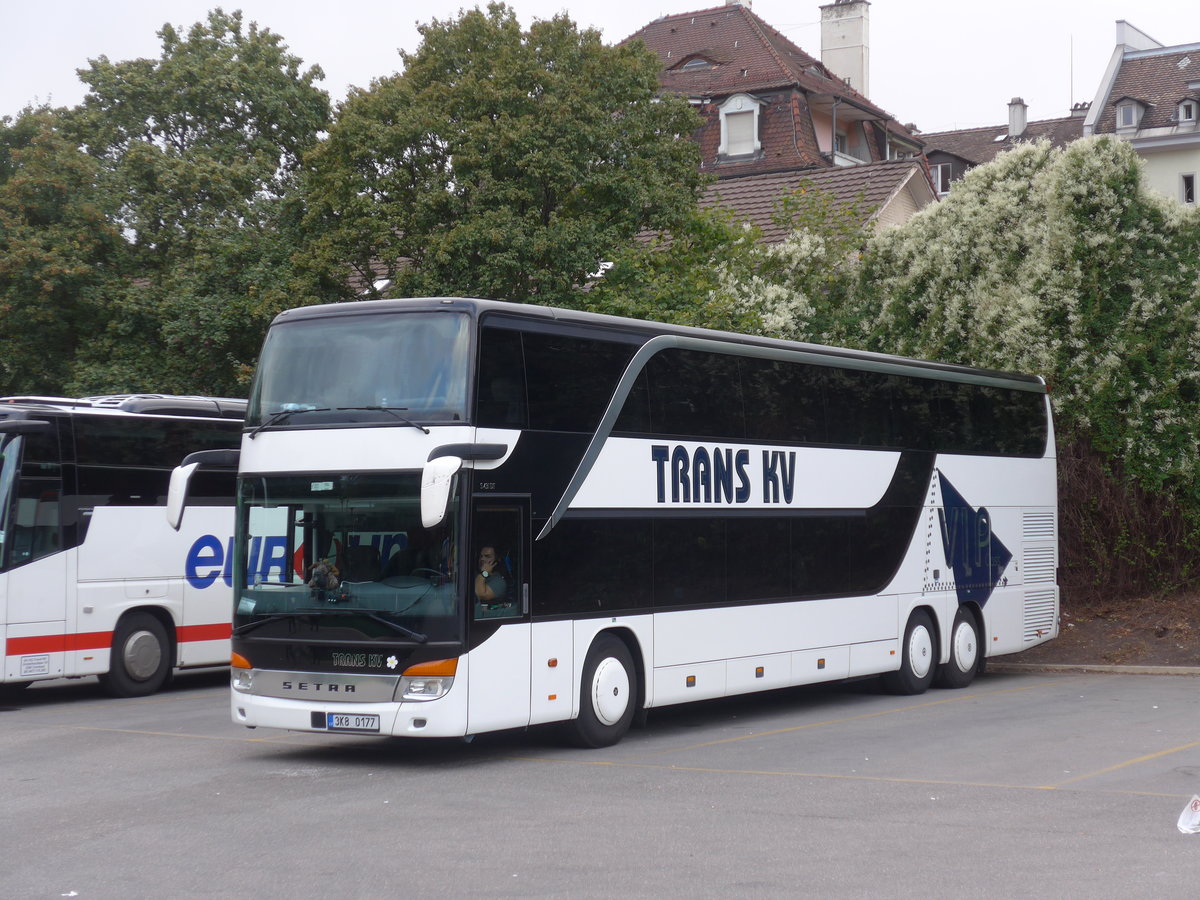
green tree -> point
(197, 155)
(57, 252)
(682, 276)
(502, 162)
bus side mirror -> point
(181, 477)
(436, 479)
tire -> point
(141, 657)
(965, 651)
(918, 662)
(608, 693)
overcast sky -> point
(941, 64)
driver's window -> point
(496, 581)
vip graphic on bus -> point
(92, 579)
(590, 517)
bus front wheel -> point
(918, 658)
(608, 694)
(141, 658)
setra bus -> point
(458, 516)
(92, 581)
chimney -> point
(845, 49)
(1017, 115)
(1079, 110)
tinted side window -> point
(597, 565)
(689, 562)
(128, 461)
(500, 397)
(696, 394)
(785, 402)
(1020, 422)
(570, 380)
(757, 553)
(858, 408)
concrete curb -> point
(1069, 668)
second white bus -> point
(92, 581)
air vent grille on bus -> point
(1039, 564)
(1038, 526)
(1039, 613)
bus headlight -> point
(241, 673)
(427, 680)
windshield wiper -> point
(321, 611)
(387, 409)
(375, 617)
(283, 414)
(274, 617)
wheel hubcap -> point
(965, 647)
(610, 691)
(920, 651)
(142, 655)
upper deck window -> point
(379, 368)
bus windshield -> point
(348, 555)
(377, 368)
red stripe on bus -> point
(188, 633)
(100, 640)
(58, 643)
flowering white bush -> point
(1058, 262)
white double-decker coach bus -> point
(498, 515)
(92, 581)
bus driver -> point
(490, 587)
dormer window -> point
(739, 126)
(696, 62)
(1187, 111)
(1129, 114)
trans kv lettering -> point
(722, 475)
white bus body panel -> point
(498, 686)
(62, 609)
(343, 450)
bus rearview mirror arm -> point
(181, 477)
(436, 478)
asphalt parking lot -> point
(1028, 784)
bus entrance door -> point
(498, 589)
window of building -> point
(1187, 188)
(1187, 111)
(1128, 115)
(739, 126)
(941, 178)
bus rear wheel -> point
(141, 658)
(918, 662)
(959, 670)
(608, 694)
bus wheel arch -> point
(143, 654)
(918, 655)
(610, 692)
(965, 649)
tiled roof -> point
(754, 198)
(1157, 78)
(981, 145)
(745, 55)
